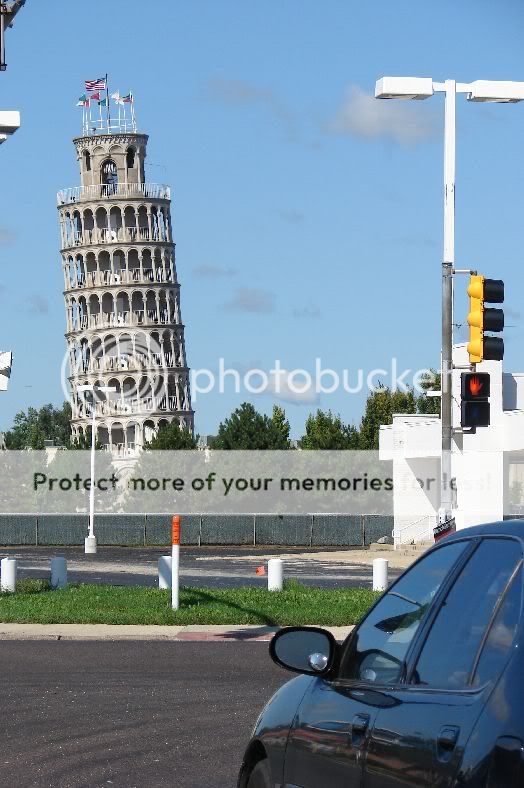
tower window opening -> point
(130, 158)
(109, 176)
(87, 161)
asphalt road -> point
(129, 714)
(217, 567)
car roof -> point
(513, 528)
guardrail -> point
(152, 191)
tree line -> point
(245, 428)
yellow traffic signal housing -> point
(481, 319)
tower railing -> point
(113, 235)
(153, 191)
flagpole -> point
(133, 119)
(108, 110)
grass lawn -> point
(35, 603)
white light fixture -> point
(404, 87)
(501, 92)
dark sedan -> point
(428, 690)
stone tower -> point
(122, 297)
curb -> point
(212, 633)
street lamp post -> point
(480, 90)
(90, 540)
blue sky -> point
(308, 219)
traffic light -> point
(474, 407)
(481, 319)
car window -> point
(377, 649)
(448, 655)
(501, 635)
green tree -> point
(429, 382)
(381, 404)
(246, 428)
(326, 431)
(31, 429)
(171, 437)
(279, 428)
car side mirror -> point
(308, 650)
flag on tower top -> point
(117, 97)
(95, 96)
(103, 102)
(83, 101)
(96, 84)
(128, 99)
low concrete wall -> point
(311, 530)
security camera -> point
(9, 123)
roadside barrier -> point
(303, 530)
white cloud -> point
(309, 312)
(404, 122)
(213, 271)
(253, 300)
(38, 304)
(298, 389)
(238, 92)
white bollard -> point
(58, 572)
(164, 571)
(380, 574)
(8, 574)
(275, 574)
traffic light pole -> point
(446, 498)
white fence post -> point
(275, 574)
(58, 572)
(380, 574)
(8, 574)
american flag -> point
(96, 84)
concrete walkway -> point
(194, 632)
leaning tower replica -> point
(125, 336)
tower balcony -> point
(117, 319)
(113, 191)
(133, 407)
(131, 277)
(110, 235)
(122, 363)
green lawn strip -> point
(35, 603)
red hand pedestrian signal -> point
(474, 408)
(475, 386)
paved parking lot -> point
(217, 567)
(130, 714)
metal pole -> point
(446, 499)
(90, 542)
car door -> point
(419, 740)
(329, 736)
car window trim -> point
(446, 583)
(413, 655)
(494, 615)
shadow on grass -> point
(203, 596)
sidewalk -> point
(194, 632)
